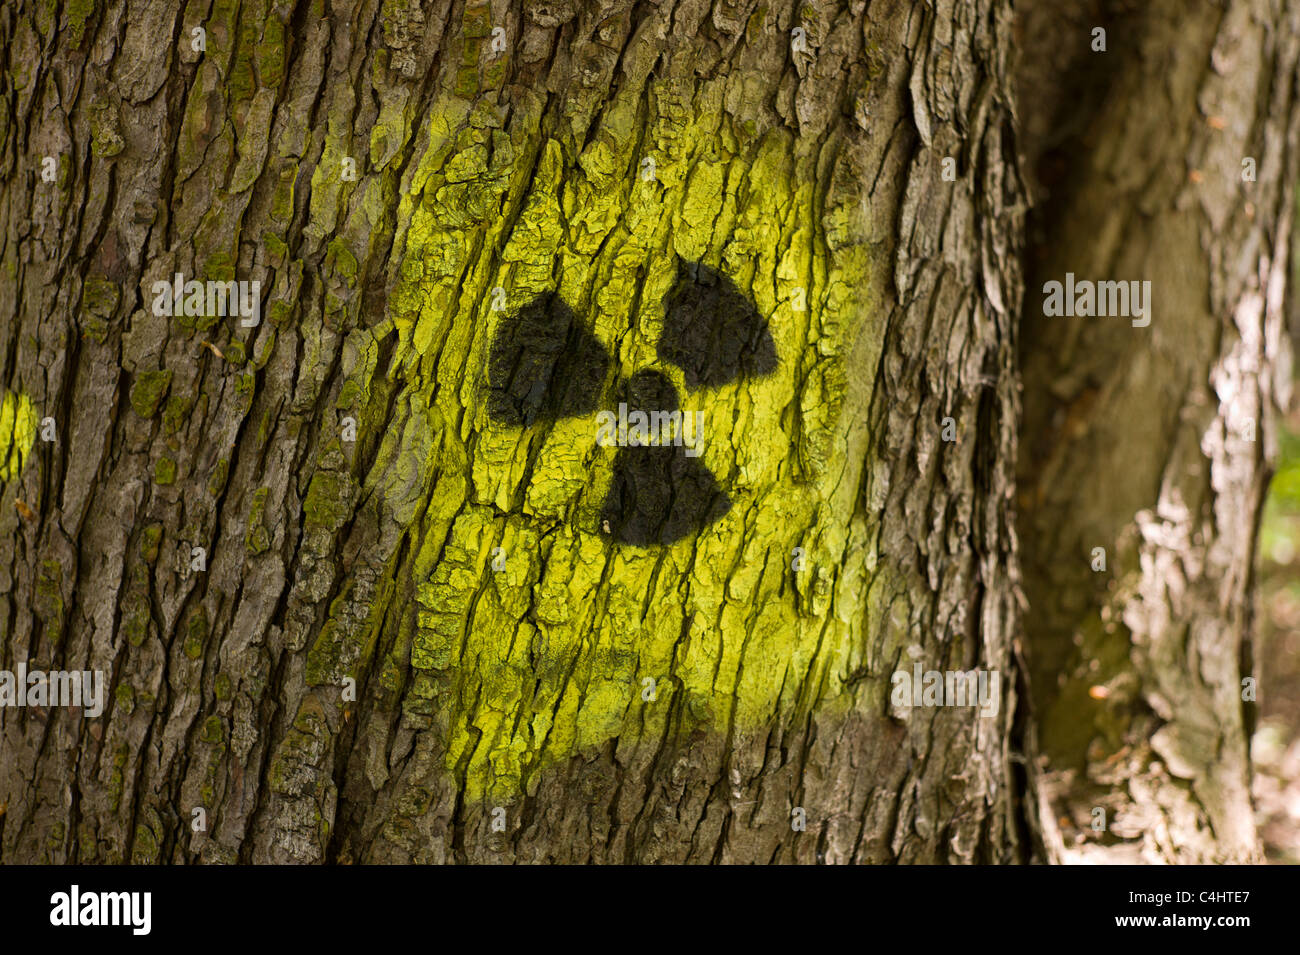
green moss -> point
(415, 802)
(94, 328)
(219, 267)
(380, 142)
(257, 539)
(241, 82)
(196, 633)
(282, 197)
(46, 17)
(214, 730)
(54, 841)
(150, 541)
(328, 503)
(223, 687)
(135, 610)
(276, 248)
(477, 21)
(105, 131)
(49, 599)
(344, 261)
(164, 471)
(136, 625)
(327, 187)
(88, 844)
(64, 181)
(270, 53)
(78, 12)
(125, 698)
(148, 390)
(176, 413)
(100, 297)
(144, 848)
(324, 660)
(264, 427)
(278, 312)
(335, 310)
(302, 745)
(49, 580)
(467, 82)
(245, 386)
(494, 73)
(264, 353)
(217, 480)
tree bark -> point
(1171, 157)
(783, 165)
(411, 633)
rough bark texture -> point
(1152, 443)
(808, 173)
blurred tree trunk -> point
(1171, 157)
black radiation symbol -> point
(546, 365)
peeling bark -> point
(1153, 443)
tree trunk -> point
(1171, 158)
(366, 583)
(791, 163)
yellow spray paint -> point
(18, 427)
(546, 658)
